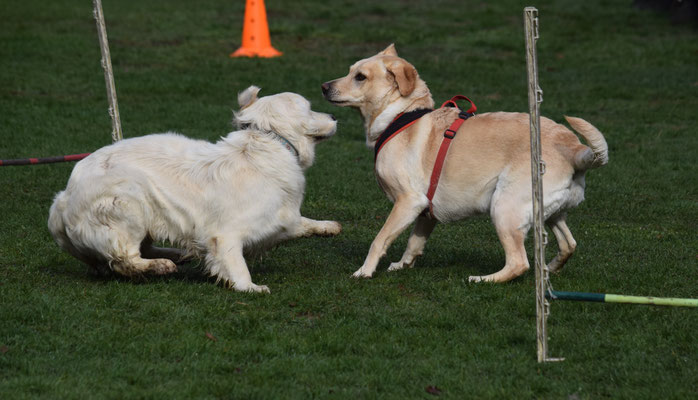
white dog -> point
(220, 200)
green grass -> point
(67, 334)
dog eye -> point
(360, 77)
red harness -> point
(449, 134)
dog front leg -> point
(226, 262)
(415, 245)
(310, 227)
(404, 212)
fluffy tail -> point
(594, 156)
(55, 221)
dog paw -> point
(250, 288)
(360, 273)
(475, 279)
(555, 266)
(396, 266)
(162, 266)
(329, 228)
(336, 228)
(258, 289)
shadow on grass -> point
(74, 270)
(341, 255)
(467, 259)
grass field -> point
(67, 334)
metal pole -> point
(535, 97)
(116, 134)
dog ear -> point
(389, 51)
(405, 76)
(248, 96)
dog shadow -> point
(192, 271)
(347, 254)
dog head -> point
(287, 115)
(381, 87)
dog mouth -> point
(318, 139)
(329, 98)
(322, 138)
(342, 103)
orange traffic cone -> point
(255, 33)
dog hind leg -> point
(565, 243)
(120, 246)
(133, 265)
(126, 260)
(511, 225)
(415, 244)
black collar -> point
(399, 123)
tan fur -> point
(487, 168)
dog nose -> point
(325, 88)
(333, 117)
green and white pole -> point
(618, 298)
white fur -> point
(375, 128)
(216, 200)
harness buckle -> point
(450, 135)
(464, 115)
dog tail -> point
(55, 221)
(594, 156)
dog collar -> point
(287, 144)
(399, 124)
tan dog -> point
(487, 168)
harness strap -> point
(449, 134)
(399, 124)
(454, 99)
(404, 120)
